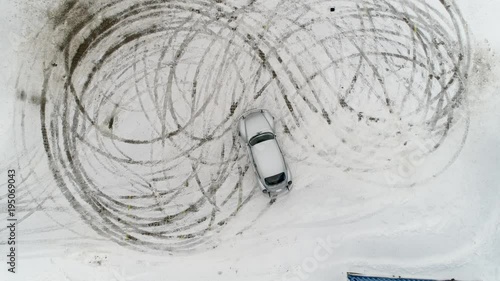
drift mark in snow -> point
(139, 101)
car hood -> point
(256, 123)
(268, 158)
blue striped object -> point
(358, 277)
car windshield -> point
(260, 138)
(273, 180)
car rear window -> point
(260, 138)
(275, 179)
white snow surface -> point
(337, 219)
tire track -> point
(139, 100)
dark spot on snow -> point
(360, 116)
(285, 129)
(233, 108)
(21, 95)
(288, 103)
(111, 122)
(343, 103)
(327, 118)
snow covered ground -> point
(119, 119)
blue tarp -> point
(358, 277)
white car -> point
(256, 129)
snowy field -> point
(119, 122)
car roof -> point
(268, 158)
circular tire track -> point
(140, 98)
